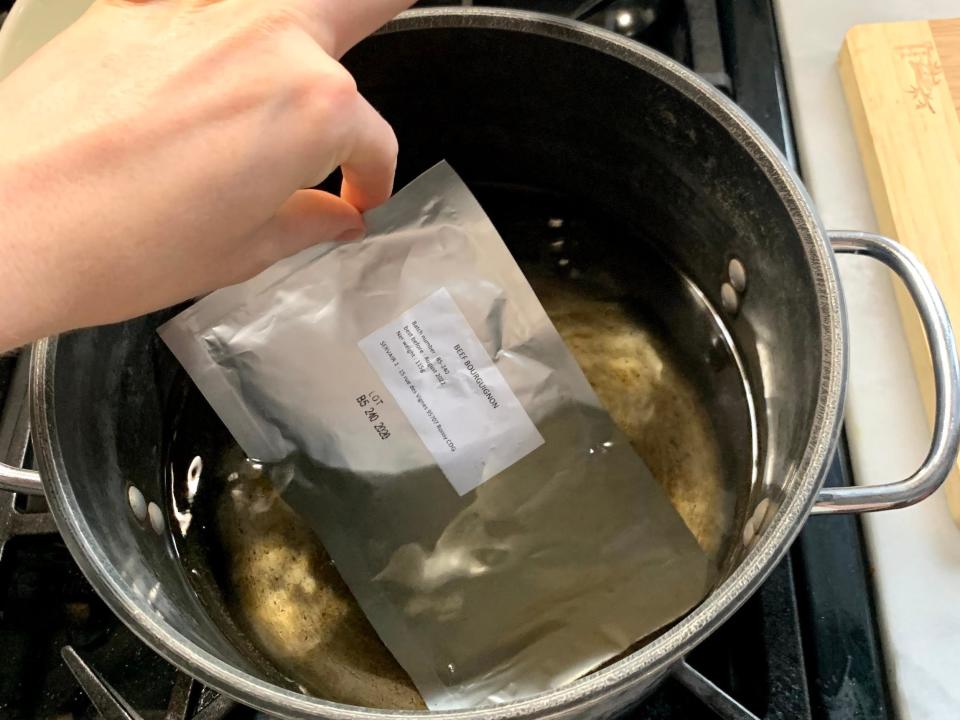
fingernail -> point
(351, 235)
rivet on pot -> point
(138, 504)
(729, 298)
(749, 532)
(196, 467)
(760, 513)
(156, 518)
(193, 477)
(738, 275)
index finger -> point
(338, 25)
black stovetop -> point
(804, 646)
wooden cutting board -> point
(902, 82)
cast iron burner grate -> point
(189, 700)
(804, 646)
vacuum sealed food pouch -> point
(496, 527)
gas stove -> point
(804, 646)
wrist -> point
(23, 311)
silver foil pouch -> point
(496, 527)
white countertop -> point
(915, 552)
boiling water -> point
(654, 352)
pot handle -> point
(20, 480)
(15, 434)
(946, 374)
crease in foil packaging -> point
(495, 526)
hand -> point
(156, 150)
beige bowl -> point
(33, 23)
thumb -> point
(308, 217)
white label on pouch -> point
(449, 389)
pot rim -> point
(646, 663)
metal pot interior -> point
(547, 110)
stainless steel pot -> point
(514, 97)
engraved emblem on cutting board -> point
(926, 73)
